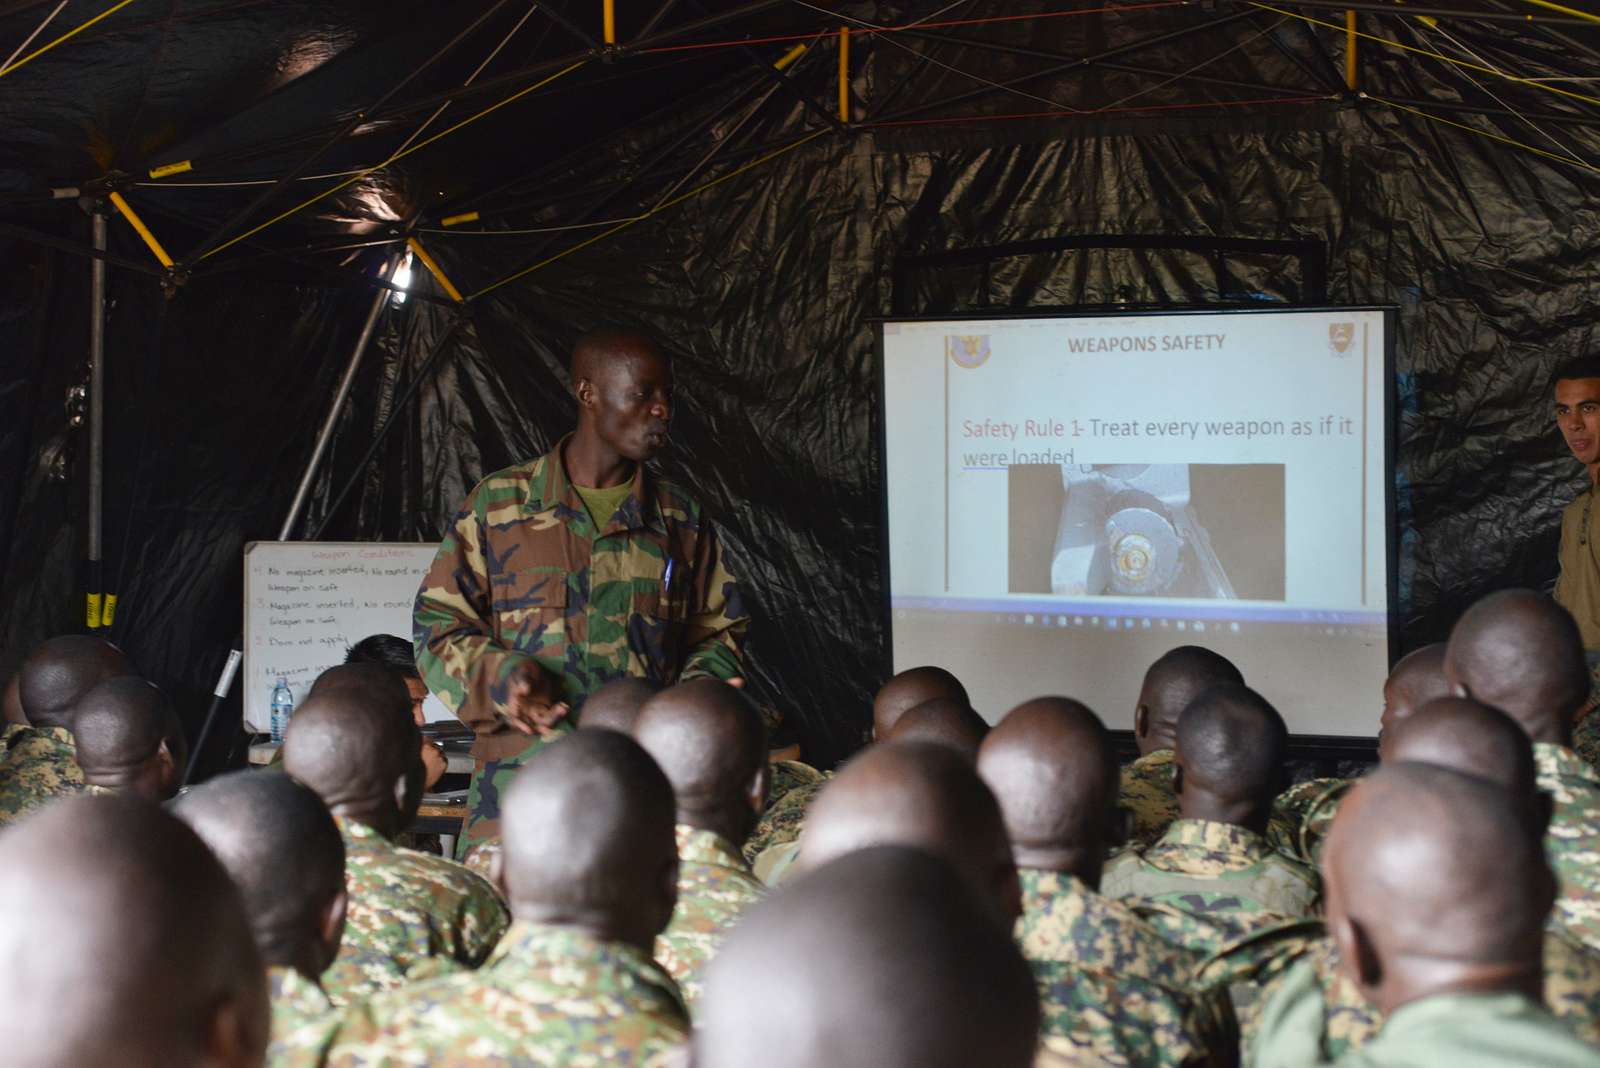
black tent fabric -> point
(697, 180)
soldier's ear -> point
(1177, 778)
(1141, 721)
(584, 391)
(1358, 957)
(330, 923)
(759, 784)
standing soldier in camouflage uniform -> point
(284, 852)
(1111, 988)
(712, 744)
(589, 866)
(571, 569)
(37, 757)
(1170, 683)
(1231, 746)
(1438, 893)
(1520, 652)
(129, 740)
(358, 749)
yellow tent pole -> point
(844, 74)
(1350, 50)
(790, 56)
(143, 231)
(609, 11)
(1574, 12)
(433, 268)
(42, 49)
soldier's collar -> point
(550, 487)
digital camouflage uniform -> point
(1349, 1022)
(775, 863)
(1109, 985)
(547, 996)
(1572, 841)
(781, 822)
(1586, 739)
(714, 887)
(522, 576)
(1204, 866)
(1448, 1030)
(36, 765)
(1147, 796)
(296, 1002)
(406, 910)
(1302, 816)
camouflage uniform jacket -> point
(1572, 841)
(1458, 1030)
(405, 908)
(36, 764)
(1586, 738)
(1109, 986)
(522, 575)
(1349, 1022)
(1203, 866)
(1302, 816)
(547, 996)
(783, 819)
(714, 887)
(1147, 796)
(296, 1002)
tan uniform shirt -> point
(1578, 585)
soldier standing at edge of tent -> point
(1577, 404)
(574, 568)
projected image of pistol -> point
(1131, 530)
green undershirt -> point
(603, 503)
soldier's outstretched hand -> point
(532, 707)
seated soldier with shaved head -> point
(354, 742)
(923, 796)
(882, 958)
(1438, 892)
(37, 756)
(1303, 814)
(781, 823)
(1228, 767)
(124, 943)
(710, 741)
(1520, 652)
(942, 721)
(1111, 987)
(283, 850)
(590, 867)
(129, 740)
(1170, 683)
(1477, 740)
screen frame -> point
(1322, 748)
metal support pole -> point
(97, 415)
(340, 394)
(230, 669)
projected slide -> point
(1070, 497)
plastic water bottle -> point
(282, 706)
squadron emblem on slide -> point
(967, 350)
(1340, 335)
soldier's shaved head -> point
(1170, 684)
(1520, 652)
(710, 741)
(1466, 736)
(124, 943)
(922, 796)
(285, 854)
(596, 352)
(125, 728)
(879, 959)
(909, 689)
(357, 746)
(615, 705)
(60, 671)
(1435, 884)
(588, 839)
(1050, 763)
(1231, 746)
(1417, 678)
(941, 721)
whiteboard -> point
(306, 602)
